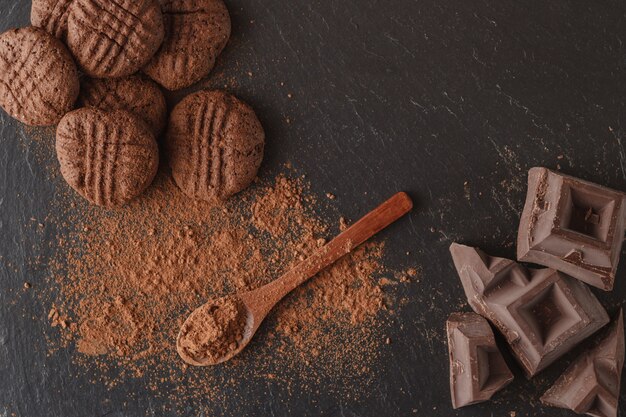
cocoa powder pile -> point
(213, 331)
(124, 280)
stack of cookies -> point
(96, 68)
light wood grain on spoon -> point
(259, 302)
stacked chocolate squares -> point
(575, 229)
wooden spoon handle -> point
(372, 223)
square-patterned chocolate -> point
(542, 313)
(591, 384)
(477, 368)
(573, 226)
(546, 312)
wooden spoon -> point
(256, 304)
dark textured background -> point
(420, 95)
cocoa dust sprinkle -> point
(124, 280)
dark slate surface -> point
(420, 95)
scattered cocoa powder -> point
(111, 327)
(124, 280)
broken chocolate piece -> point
(591, 383)
(542, 313)
(477, 368)
(573, 226)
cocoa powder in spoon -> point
(214, 330)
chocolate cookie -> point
(136, 94)
(51, 15)
(215, 144)
(108, 157)
(196, 32)
(38, 78)
(114, 38)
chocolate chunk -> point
(138, 95)
(477, 368)
(591, 384)
(542, 313)
(215, 144)
(38, 77)
(51, 15)
(572, 225)
(114, 38)
(107, 157)
(196, 32)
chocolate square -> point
(574, 226)
(591, 384)
(477, 368)
(542, 313)
(546, 312)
